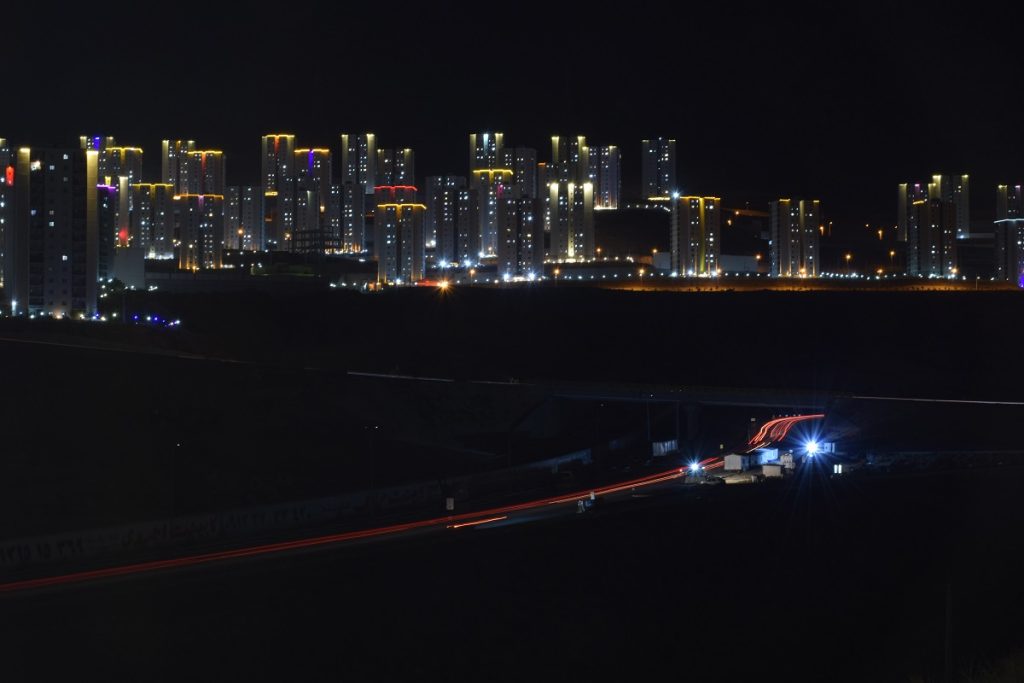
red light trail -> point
(451, 521)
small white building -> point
(771, 470)
(737, 462)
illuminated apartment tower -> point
(955, 189)
(151, 227)
(570, 159)
(6, 197)
(242, 217)
(358, 178)
(440, 223)
(199, 225)
(399, 239)
(353, 218)
(278, 181)
(658, 168)
(174, 163)
(467, 227)
(486, 150)
(359, 160)
(117, 162)
(931, 238)
(52, 249)
(96, 142)
(109, 237)
(491, 180)
(396, 167)
(522, 161)
(205, 172)
(491, 185)
(907, 195)
(946, 188)
(794, 237)
(694, 235)
(570, 217)
(121, 167)
(520, 238)
(604, 174)
(1009, 234)
(312, 197)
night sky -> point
(766, 103)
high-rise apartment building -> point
(520, 238)
(151, 227)
(277, 178)
(399, 243)
(793, 245)
(52, 249)
(199, 226)
(396, 167)
(522, 161)
(174, 156)
(1009, 234)
(604, 173)
(695, 235)
(658, 168)
(931, 238)
(359, 160)
(442, 194)
(570, 218)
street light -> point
(848, 258)
(892, 255)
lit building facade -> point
(440, 222)
(658, 168)
(931, 239)
(109, 237)
(954, 189)
(396, 167)
(199, 226)
(52, 249)
(794, 237)
(492, 185)
(486, 150)
(570, 159)
(7, 172)
(242, 205)
(174, 156)
(359, 160)
(604, 173)
(522, 161)
(353, 218)
(277, 178)
(205, 172)
(695, 235)
(151, 227)
(312, 232)
(520, 238)
(570, 217)
(399, 243)
(1009, 234)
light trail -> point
(477, 522)
(463, 519)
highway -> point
(771, 432)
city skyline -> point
(854, 121)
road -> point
(771, 432)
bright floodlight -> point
(812, 447)
(695, 467)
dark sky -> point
(839, 105)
